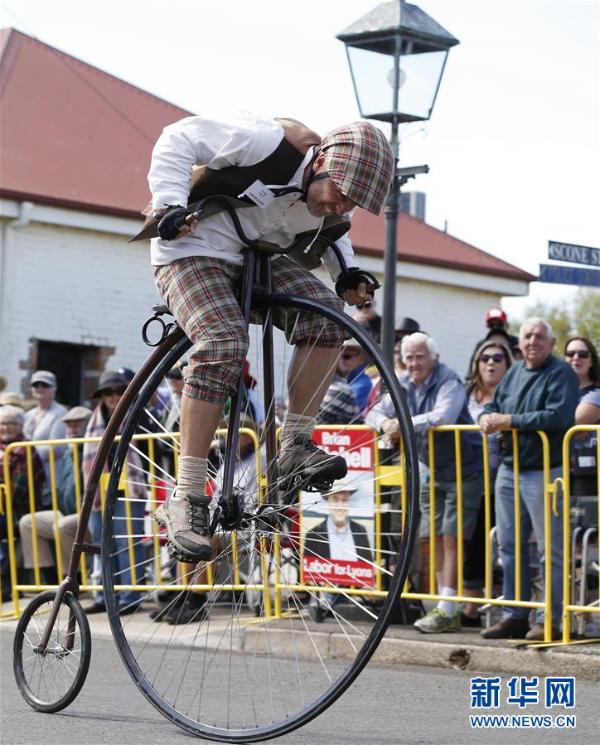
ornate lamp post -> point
(397, 54)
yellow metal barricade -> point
(269, 582)
(550, 497)
(569, 605)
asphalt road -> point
(408, 705)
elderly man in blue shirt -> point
(436, 396)
(539, 393)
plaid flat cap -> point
(360, 161)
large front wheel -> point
(267, 635)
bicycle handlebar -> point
(175, 217)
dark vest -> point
(276, 168)
(444, 450)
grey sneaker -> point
(302, 464)
(187, 522)
(436, 622)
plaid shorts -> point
(199, 292)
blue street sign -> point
(573, 253)
(569, 275)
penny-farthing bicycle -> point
(251, 662)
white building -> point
(74, 153)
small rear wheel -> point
(50, 679)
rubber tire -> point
(81, 620)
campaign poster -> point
(337, 529)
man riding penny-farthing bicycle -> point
(241, 211)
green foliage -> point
(582, 319)
(587, 315)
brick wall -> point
(77, 286)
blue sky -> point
(513, 143)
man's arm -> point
(199, 140)
(383, 411)
(559, 405)
(330, 260)
(448, 404)
(491, 419)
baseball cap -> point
(43, 376)
(359, 160)
(495, 315)
(76, 414)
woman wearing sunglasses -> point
(582, 355)
(490, 363)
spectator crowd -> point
(513, 382)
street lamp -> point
(397, 54)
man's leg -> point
(514, 623)
(505, 520)
(449, 573)
(532, 485)
(44, 523)
(67, 529)
(199, 420)
(317, 343)
(444, 617)
(446, 493)
(310, 374)
(199, 292)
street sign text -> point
(569, 275)
(574, 253)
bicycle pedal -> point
(289, 490)
(305, 483)
(319, 486)
(215, 520)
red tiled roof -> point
(423, 244)
(75, 136)
(71, 134)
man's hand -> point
(390, 426)
(490, 423)
(391, 429)
(356, 286)
(185, 229)
(358, 296)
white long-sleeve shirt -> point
(218, 143)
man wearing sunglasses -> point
(538, 394)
